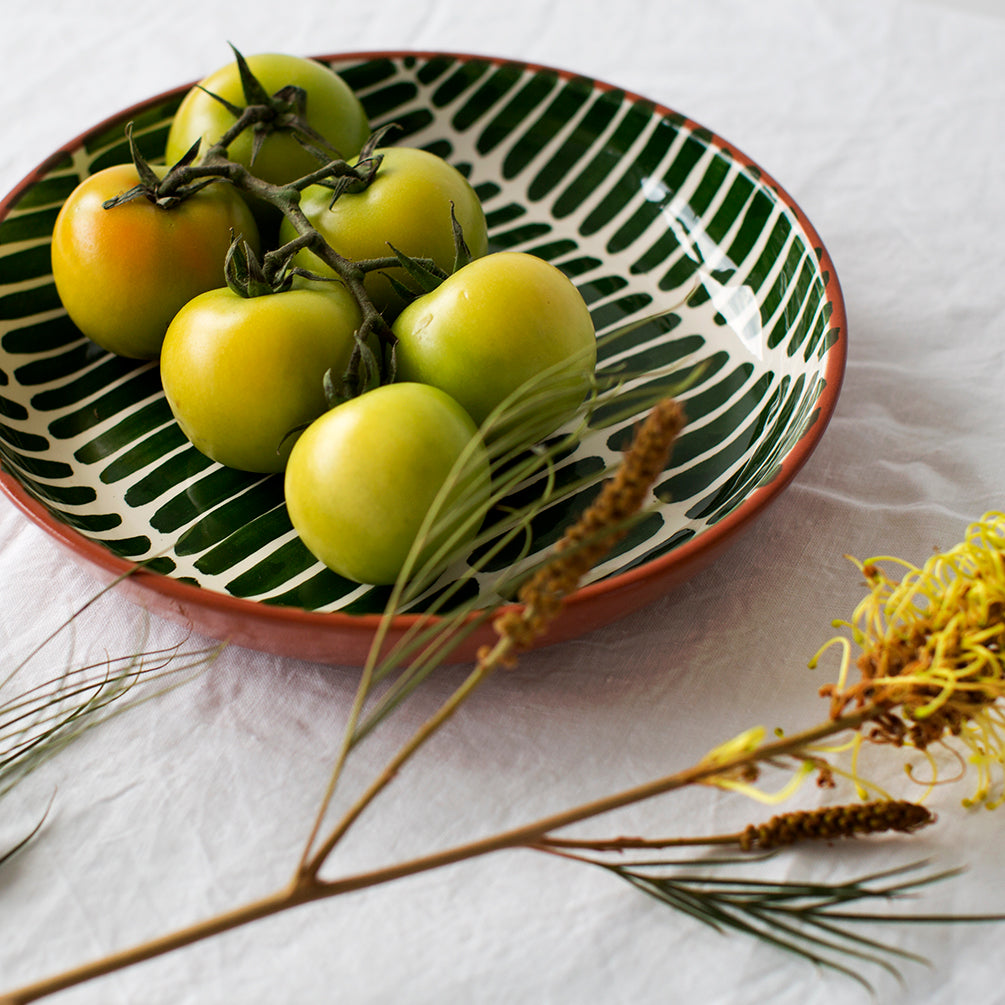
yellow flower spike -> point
(740, 777)
(864, 788)
(985, 739)
(745, 743)
(805, 769)
(932, 651)
(933, 779)
(844, 665)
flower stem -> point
(306, 887)
(531, 833)
(313, 865)
(280, 901)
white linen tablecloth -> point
(884, 120)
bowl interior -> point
(643, 209)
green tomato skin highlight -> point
(241, 374)
(407, 205)
(362, 477)
(495, 324)
(332, 109)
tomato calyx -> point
(249, 276)
(164, 192)
(361, 174)
(264, 114)
(423, 272)
(371, 362)
(426, 275)
(367, 369)
(245, 274)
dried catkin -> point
(836, 822)
(599, 528)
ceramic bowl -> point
(643, 208)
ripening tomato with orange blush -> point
(123, 272)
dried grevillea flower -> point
(932, 644)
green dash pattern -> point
(642, 209)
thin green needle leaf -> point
(799, 917)
(61, 627)
(439, 646)
(886, 947)
(719, 917)
(38, 724)
(802, 940)
(924, 919)
(514, 436)
(11, 852)
(680, 900)
(657, 316)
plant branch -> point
(253, 911)
(530, 834)
(306, 887)
(428, 728)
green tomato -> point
(123, 273)
(407, 205)
(332, 110)
(494, 325)
(362, 477)
(242, 374)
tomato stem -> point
(284, 111)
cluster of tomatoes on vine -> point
(321, 304)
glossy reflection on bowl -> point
(642, 208)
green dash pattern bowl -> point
(641, 207)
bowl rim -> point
(182, 597)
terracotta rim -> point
(183, 601)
